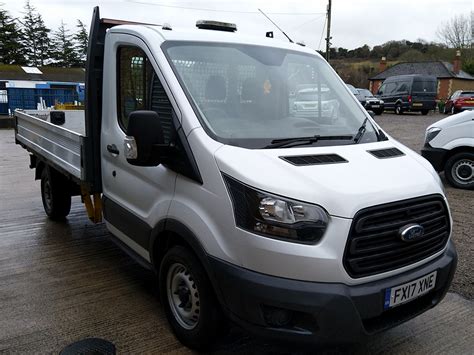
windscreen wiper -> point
(361, 131)
(292, 142)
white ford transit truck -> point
(307, 225)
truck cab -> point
(315, 228)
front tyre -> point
(459, 170)
(398, 109)
(188, 298)
(55, 194)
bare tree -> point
(456, 33)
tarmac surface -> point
(63, 282)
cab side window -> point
(390, 88)
(139, 88)
(402, 87)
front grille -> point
(300, 160)
(374, 245)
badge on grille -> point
(411, 232)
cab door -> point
(135, 198)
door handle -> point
(112, 148)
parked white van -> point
(449, 146)
(317, 229)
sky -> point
(354, 23)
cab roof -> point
(209, 35)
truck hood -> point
(341, 188)
(453, 120)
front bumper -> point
(323, 312)
(436, 156)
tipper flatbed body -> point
(63, 146)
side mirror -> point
(144, 136)
(371, 113)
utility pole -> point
(328, 37)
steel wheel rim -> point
(463, 172)
(397, 110)
(183, 296)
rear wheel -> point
(459, 170)
(424, 112)
(188, 298)
(55, 194)
(398, 109)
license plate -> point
(418, 104)
(398, 295)
(375, 106)
(469, 102)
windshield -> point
(249, 96)
(365, 93)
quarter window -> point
(139, 88)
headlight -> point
(274, 216)
(431, 133)
(381, 102)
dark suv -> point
(410, 93)
(369, 101)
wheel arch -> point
(454, 151)
(170, 232)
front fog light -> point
(274, 216)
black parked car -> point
(369, 101)
(411, 93)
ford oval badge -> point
(411, 232)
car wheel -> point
(398, 109)
(55, 194)
(459, 170)
(189, 301)
(424, 112)
(453, 111)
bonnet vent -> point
(301, 160)
(386, 153)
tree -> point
(43, 41)
(64, 53)
(35, 40)
(11, 49)
(30, 35)
(456, 33)
(81, 38)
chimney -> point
(383, 64)
(457, 62)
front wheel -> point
(398, 109)
(188, 298)
(55, 194)
(453, 111)
(459, 170)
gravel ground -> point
(409, 129)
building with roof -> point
(450, 76)
(25, 87)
